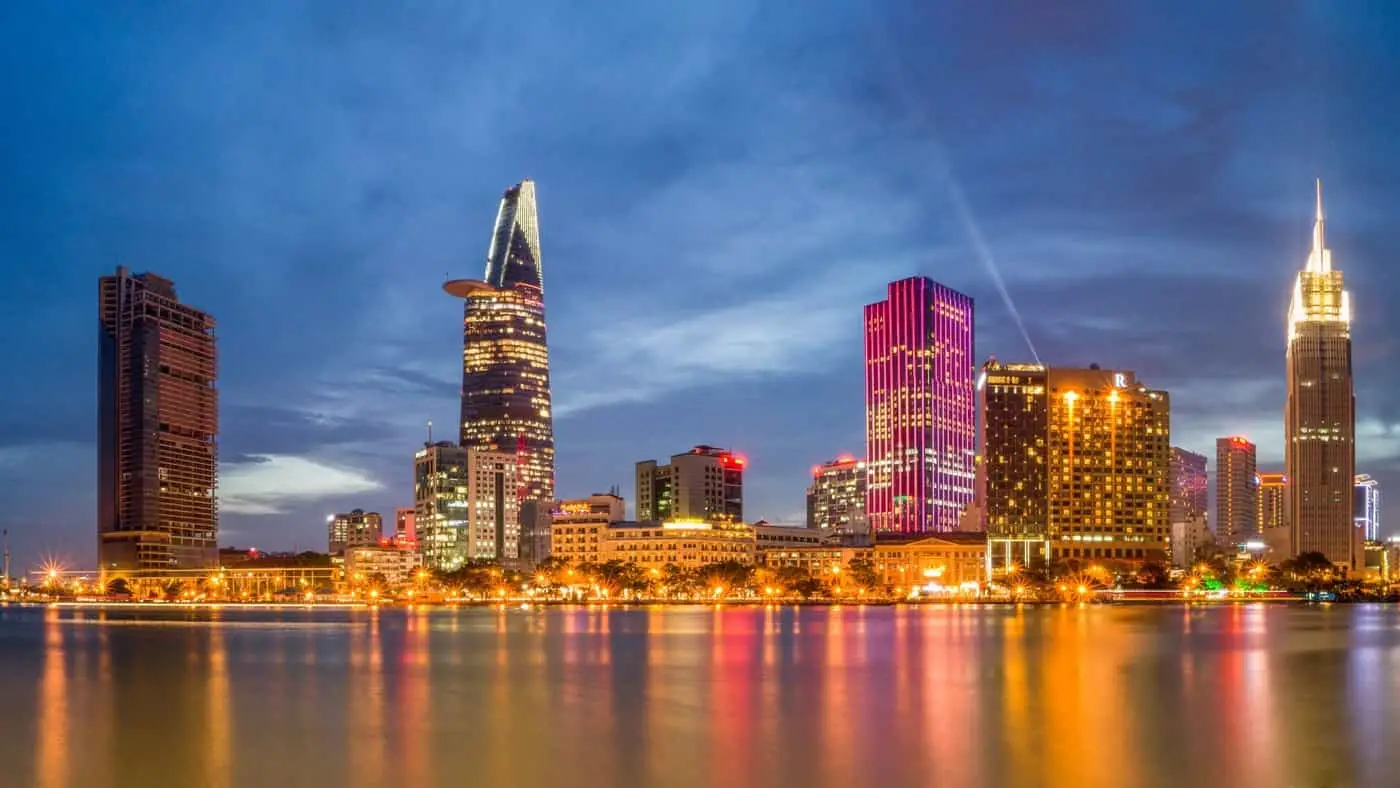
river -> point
(1233, 695)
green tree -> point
(1151, 575)
(678, 581)
(789, 577)
(620, 577)
(732, 576)
(1311, 568)
(862, 573)
(808, 587)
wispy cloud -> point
(640, 355)
(267, 484)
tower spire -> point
(1319, 261)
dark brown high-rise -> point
(158, 425)
(1320, 416)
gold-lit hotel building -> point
(1076, 464)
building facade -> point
(705, 483)
(836, 498)
(1076, 464)
(1273, 503)
(1236, 491)
(1190, 485)
(1320, 414)
(1367, 507)
(465, 507)
(688, 544)
(405, 530)
(506, 403)
(1189, 504)
(1188, 540)
(920, 413)
(395, 565)
(942, 563)
(356, 528)
(158, 428)
(1013, 480)
(579, 527)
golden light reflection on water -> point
(366, 743)
(52, 731)
(714, 696)
(220, 748)
(414, 703)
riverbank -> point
(815, 603)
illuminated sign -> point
(1120, 380)
(687, 525)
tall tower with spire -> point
(1320, 415)
(505, 357)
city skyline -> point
(666, 233)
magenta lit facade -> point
(920, 412)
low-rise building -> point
(816, 560)
(1188, 538)
(579, 526)
(772, 537)
(949, 559)
(684, 543)
(356, 527)
(395, 565)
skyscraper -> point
(1368, 507)
(1236, 491)
(920, 414)
(704, 483)
(836, 498)
(1076, 464)
(158, 427)
(1273, 502)
(1320, 415)
(1189, 485)
(505, 353)
(464, 505)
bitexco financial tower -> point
(505, 356)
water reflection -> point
(53, 756)
(1075, 696)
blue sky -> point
(722, 186)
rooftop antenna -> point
(430, 432)
(6, 577)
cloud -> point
(640, 355)
(268, 484)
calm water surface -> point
(1061, 696)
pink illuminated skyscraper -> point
(920, 413)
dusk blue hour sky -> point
(722, 186)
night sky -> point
(722, 187)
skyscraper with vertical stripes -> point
(920, 413)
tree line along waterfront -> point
(310, 578)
